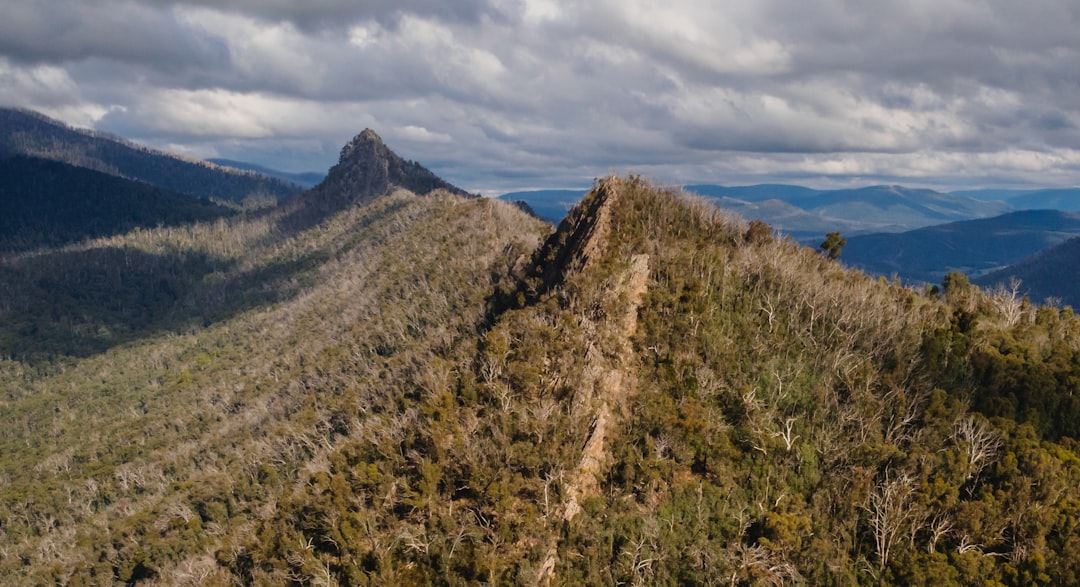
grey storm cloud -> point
(58, 31)
(532, 93)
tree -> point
(889, 505)
(833, 243)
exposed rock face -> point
(582, 235)
(608, 380)
(368, 169)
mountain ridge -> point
(50, 203)
(31, 133)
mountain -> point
(366, 169)
(23, 132)
(1049, 275)
(305, 180)
(436, 389)
(551, 205)
(973, 247)
(46, 202)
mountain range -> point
(386, 381)
(917, 235)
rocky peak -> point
(367, 142)
(368, 169)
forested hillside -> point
(973, 247)
(45, 202)
(161, 456)
(414, 390)
(23, 132)
(1051, 274)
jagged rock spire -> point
(368, 169)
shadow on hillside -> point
(80, 303)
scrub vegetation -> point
(441, 390)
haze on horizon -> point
(499, 95)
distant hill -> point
(807, 214)
(46, 202)
(306, 180)
(23, 132)
(791, 220)
(972, 247)
(551, 205)
(1003, 195)
(754, 193)
(1053, 273)
(1038, 199)
(900, 207)
(1057, 199)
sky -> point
(502, 95)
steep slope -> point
(972, 247)
(51, 203)
(23, 132)
(1051, 274)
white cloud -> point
(535, 91)
(423, 135)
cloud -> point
(318, 15)
(127, 31)
(553, 92)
